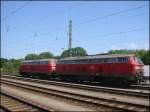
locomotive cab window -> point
(95, 60)
(72, 62)
(45, 62)
(112, 60)
(105, 60)
(61, 62)
(123, 59)
(84, 61)
(101, 60)
(24, 63)
(76, 61)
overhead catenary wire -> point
(100, 17)
(41, 20)
(91, 20)
(118, 33)
(94, 19)
(112, 14)
(124, 32)
(16, 10)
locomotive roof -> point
(98, 56)
(38, 60)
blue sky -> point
(98, 26)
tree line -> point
(143, 54)
(12, 65)
(78, 51)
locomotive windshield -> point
(138, 60)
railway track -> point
(134, 86)
(138, 93)
(60, 96)
(37, 97)
(82, 93)
(142, 87)
(138, 87)
(12, 103)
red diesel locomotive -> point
(42, 67)
(114, 68)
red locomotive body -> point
(43, 66)
(116, 68)
(125, 68)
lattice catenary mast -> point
(70, 37)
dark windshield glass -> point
(138, 60)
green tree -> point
(57, 57)
(11, 66)
(78, 51)
(146, 58)
(143, 54)
(45, 55)
(31, 56)
(122, 51)
(2, 62)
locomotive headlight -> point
(137, 67)
(53, 67)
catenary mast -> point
(70, 37)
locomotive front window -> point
(138, 60)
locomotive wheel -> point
(122, 82)
(25, 75)
(63, 78)
(125, 82)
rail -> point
(139, 93)
(114, 103)
(11, 102)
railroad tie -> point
(25, 110)
(14, 105)
(10, 105)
